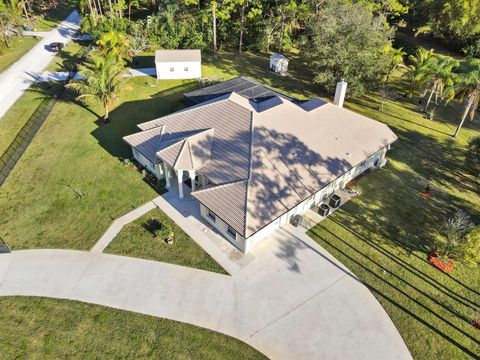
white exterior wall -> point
(155, 170)
(246, 245)
(194, 70)
(221, 226)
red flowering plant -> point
(454, 234)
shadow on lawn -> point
(125, 118)
(298, 244)
(297, 82)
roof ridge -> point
(250, 153)
(180, 152)
(189, 146)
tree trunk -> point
(214, 13)
(4, 35)
(430, 97)
(282, 29)
(242, 21)
(105, 118)
(464, 116)
(94, 16)
(100, 11)
(26, 11)
(111, 8)
(129, 10)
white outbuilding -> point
(178, 64)
(278, 63)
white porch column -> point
(167, 174)
(180, 183)
(191, 174)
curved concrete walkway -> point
(294, 301)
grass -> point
(137, 240)
(18, 48)
(38, 328)
(389, 228)
(55, 15)
(70, 56)
(384, 235)
(17, 115)
(73, 153)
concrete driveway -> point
(294, 301)
(18, 77)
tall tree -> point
(347, 42)
(101, 79)
(248, 10)
(439, 78)
(396, 60)
(468, 90)
(418, 67)
(116, 43)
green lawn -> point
(72, 152)
(20, 112)
(38, 328)
(137, 240)
(18, 48)
(388, 228)
(384, 235)
(70, 56)
(54, 16)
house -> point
(255, 164)
(278, 63)
(178, 64)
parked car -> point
(56, 46)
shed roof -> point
(176, 55)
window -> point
(172, 69)
(135, 153)
(231, 232)
(211, 215)
(185, 68)
(363, 163)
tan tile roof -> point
(178, 55)
(146, 142)
(267, 157)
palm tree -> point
(116, 43)
(439, 78)
(396, 60)
(101, 78)
(468, 87)
(417, 68)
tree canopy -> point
(345, 41)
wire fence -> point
(15, 150)
(4, 248)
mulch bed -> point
(444, 266)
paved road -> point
(16, 79)
(294, 301)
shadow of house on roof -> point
(265, 159)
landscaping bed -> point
(148, 238)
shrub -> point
(471, 247)
(472, 159)
(454, 230)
